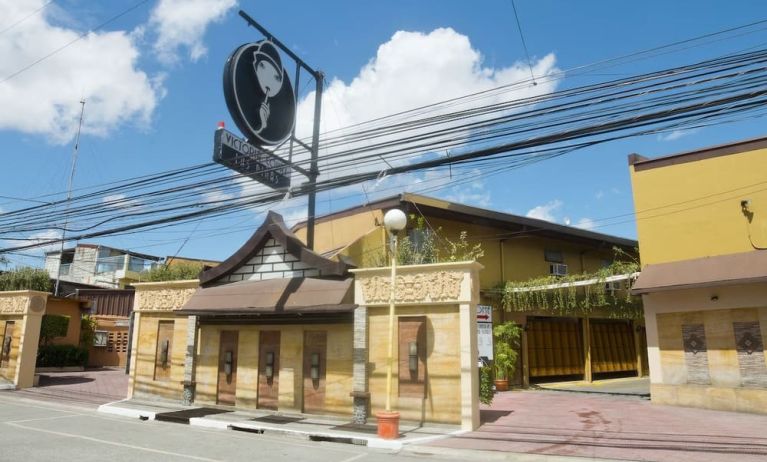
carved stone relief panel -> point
(420, 287)
(163, 299)
(13, 305)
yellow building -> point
(702, 227)
(554, 347)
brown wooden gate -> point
(227, 367)
(555, 347)
(612, 346)
(268, 369)
(315, 362)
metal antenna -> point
(69, 196)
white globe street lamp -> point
(395, 220)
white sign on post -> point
(485, 331)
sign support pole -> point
(315, 148)
(313, 169)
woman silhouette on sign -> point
(268, 68)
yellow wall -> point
(340, 232)
(443, 364)
(338, 380)
(144, 385)
(71, 309)
(523, 255)
(692, 209)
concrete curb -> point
(219, 423)
(111, 408)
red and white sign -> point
(485, 331)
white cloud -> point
(415, 69)
(120, 201)
(473, 193)
(600, 194)
(182, 24)
(676, 134)
(44, 99)
(44, 236)
(585, 223)
(546, 211)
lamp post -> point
(388, 420)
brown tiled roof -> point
(284, 295)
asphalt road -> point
(42, 431)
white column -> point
(469, 370)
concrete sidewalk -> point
(308, 427)
(610, 427)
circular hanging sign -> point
(258, 93)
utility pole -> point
(69, 196)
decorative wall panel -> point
(696, 354)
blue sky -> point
(152, 82)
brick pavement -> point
(90, 388)
(598, 426)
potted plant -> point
(505, 357)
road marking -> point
(111, 443)
(42, 418)
(357, 457)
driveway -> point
(614, 427)
(90, 388)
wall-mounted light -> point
(269, 369)
(6, 353)
(164, 353)
(315, 369)
(228, 357)
(413, 358)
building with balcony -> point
(98, 265)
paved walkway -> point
(613, 427)
(90, 388)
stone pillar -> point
(469, 369)
(189, 356)
(28, 341)
(134, 351)
(360, 394)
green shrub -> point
(87, 331)
(177, 272)
(53, 325)
(507, 337)
(26, 279)
(486, 385)
(61, 356)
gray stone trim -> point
(191, 348)
(360, 366)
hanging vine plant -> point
(564, 296)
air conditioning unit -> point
(612, 286)
(557, 269)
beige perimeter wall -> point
(338, 379)
(443, 364)
(144, 385)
